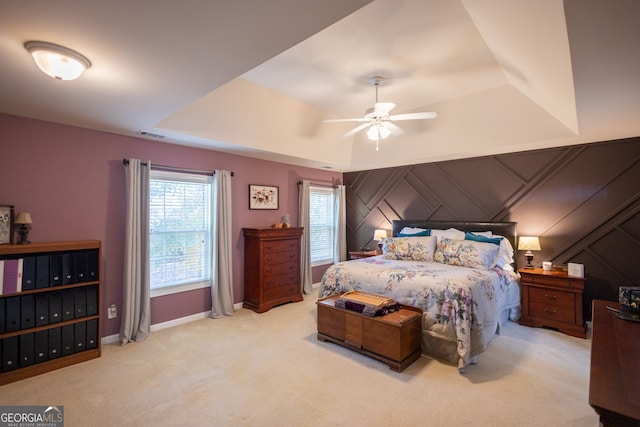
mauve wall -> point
(583, 201)
(72, 181)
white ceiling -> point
(258, 77)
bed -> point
(462, 275)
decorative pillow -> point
(466, 253)
(479, 238)
(449, 233)
(413, 231)
(409, 248)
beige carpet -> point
(269, 370)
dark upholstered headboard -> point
(506, 229)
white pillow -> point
(505, 254)
(412, 230)
(450, 233)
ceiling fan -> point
(379, 120)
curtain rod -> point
(175, 169)
(319, 185)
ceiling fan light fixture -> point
(57, 61)
(378, 131)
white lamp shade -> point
(528, 243)
(379, 235)
(57, 61)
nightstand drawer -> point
(555, 281)
(552, 297)
(552, 312)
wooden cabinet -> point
(271, 267)
(49, 308)
(615, 356)
(552, 299)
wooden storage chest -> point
(393, 339)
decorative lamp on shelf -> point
(379, 236)
(528, 243)
(23, 221)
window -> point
(321, 225)
(179, 232)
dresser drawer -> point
(280, 257)
(552, 312)
(552, 297)
(271, 270)
(282, 279)
(280, 292)
(280, 246)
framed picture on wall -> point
(6, 224)
(263, 197)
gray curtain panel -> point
(136, 308)
(222, 283)
(305, 245)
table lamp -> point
(23, 221)
(379, 236)
(528, 243)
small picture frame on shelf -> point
(263, 197)
(6, 224)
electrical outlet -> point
(113, 311)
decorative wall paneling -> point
(583, 201)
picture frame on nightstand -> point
(575, 270)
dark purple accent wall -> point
(72, 182)
(583, 201)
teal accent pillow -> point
(477, 238)
(426, 232)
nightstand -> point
(552, 299)
(362, 254)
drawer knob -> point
(546, 310)
(551, 297)
(269, 259)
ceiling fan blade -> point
(361, 119)
(414, 116)
(383, 108)
(392, 127)
(356, 129)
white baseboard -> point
(168, 324)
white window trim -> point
(184, 287)
(319, 189)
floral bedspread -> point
(460, 305)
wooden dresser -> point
(614, 389)
(271, 267)
(552, 299)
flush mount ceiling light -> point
(57, 61)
